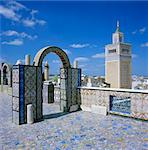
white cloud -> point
(134, 55)
(81, 59)
(67, 51)
(10, 33)
(22, 34)
(43, 63)
(28, 22)
(93, 46)
(33, 12)
(56, 61)
(32, 22)
(144, 44)
(99, 55)
(82, 65)
(79, 45)
(9, 13)
(40, 22)
(142, 30)
(16, 42)
(134, 32)
(25, 35)
(12, 10)
(15, 5)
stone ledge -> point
(85, 108)
(102, 110)
(114, 89)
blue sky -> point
(82, 29)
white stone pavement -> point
(73, 131)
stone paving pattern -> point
(73, 131)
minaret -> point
(75, 65)
(118, 27)
(118, 61)
(118, 36)
(46, 71)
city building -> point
(118, 61)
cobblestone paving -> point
(73, 131)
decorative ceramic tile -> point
(22, 99)
(39, 93)
(15, 75)
(63, 94)
(145, 106)
(15, 103)
(145, 116)
(15, 90)
(79, 77)
(30, 81)
(45, 93)
(30, 91)
(56, 94)
(138, 104)
(63, 84)
(15, 118)
(74, 131)
(75, 82)
(63, 73)
(16, 94)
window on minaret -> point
(120, 38)
(125, 51)
(112, 51)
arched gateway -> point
(46, 50)
(6, 74)
(29, 80)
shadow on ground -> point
(55, 115)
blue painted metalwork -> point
(79, 77)
(21, 88)
(121, 105)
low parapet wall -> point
(98, 100)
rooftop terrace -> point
(78, 130)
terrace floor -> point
(74, 131)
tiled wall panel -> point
(27, 89)
(15, 117)
(16, 95)
(15, 72)
(139, 101)
(56, 94)
(64, 89)
(15, 103)
(75, 82)
(70, 80)
(39, 93)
